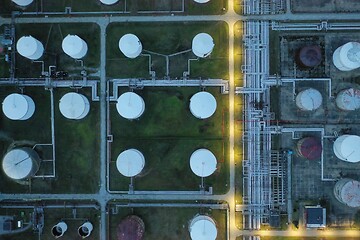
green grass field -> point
(167, 38)
(167, 134)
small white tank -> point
(74, 106)
(130, 105)
(202, 45)
(347, 56)
(348, 99)
(109, 2)
(130, 45)
(203, 105)
(203, 162)
(22, 3)
(347, 191)
(85, 230)
(18, 107)
(309, 99)
(29, 47)
(201, 1)
(202, 227)
(347, 148)
(59, 229)
(130, 162)
(74, 46)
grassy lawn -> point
(51, 35)
(168, 223)
(52, 217)
(167, 38)
(76, 144)
(167, 134)
(238, 8)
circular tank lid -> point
(109, 2)
(203, 162)
(72, 105)
(349, 99)
(201, 1)
(310, 56)
(350, 193)
(130, 45)
(130, 105)
(202, 45)
(349, 149)
(203, 229)
(309, 99)
(132, 227)
(27, 46)
(15, 106)
(311, 148)
(17, 164)
(130, 162)
(73, 45)
(22, 3)
(203, 105)
(348, 56)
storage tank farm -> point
(347, 56)
(202, 227)
(347, 191)
(21, 163)
(202, 45)
(346, 148)
(130, 45)
(203, 162)
(22, 3)
(109, 2)
(74, 106)
(348, 99)
(30, 48)
(130, 105)
(74, 46)
(309, 99)
(132, 227)
(203, 105)
(18, 107)
(130, 162)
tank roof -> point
(203, 105)
(17, 164)
(203, 228)
(130, 105)
(310, 56)
(310, 148)
(131, 228)
(130, 162)
(73, 105)
(202, 45)
(15, 106)
(203, 162)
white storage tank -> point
(130, 45)
(202, 45)
(347, 148)
(109, 2)
(74, 106)
(203, 105)
(22, 3)
(201, 1)
(130, 105)
(309, 99)
(347, 191)
(29, 47)
(347, 56)
(59, 229)
(85, 230)
(203, 162)
(18, 107)
(130, 162)
(21, 163)
(202, 227)
(348, 99)
(74, 46)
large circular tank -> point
(347, 56)
(30, 47)
(309, 148)
(309, 56)
(22, 3)
(203, 227)
(130, 45)
(74, 46)
(201, 1)
(348, 99)
(130, 162)
(109, 2)
(18, 107)
(21, 163)
(85, 230)
(130, 105)
(203, 162)
(309, 99)
(203, 105)
(59, 229)
(347, 148)
(347, 191)
(131, 228)
(202, 45)
(74, 106)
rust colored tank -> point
(309, 148)
(309, 56)
(131, 228)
